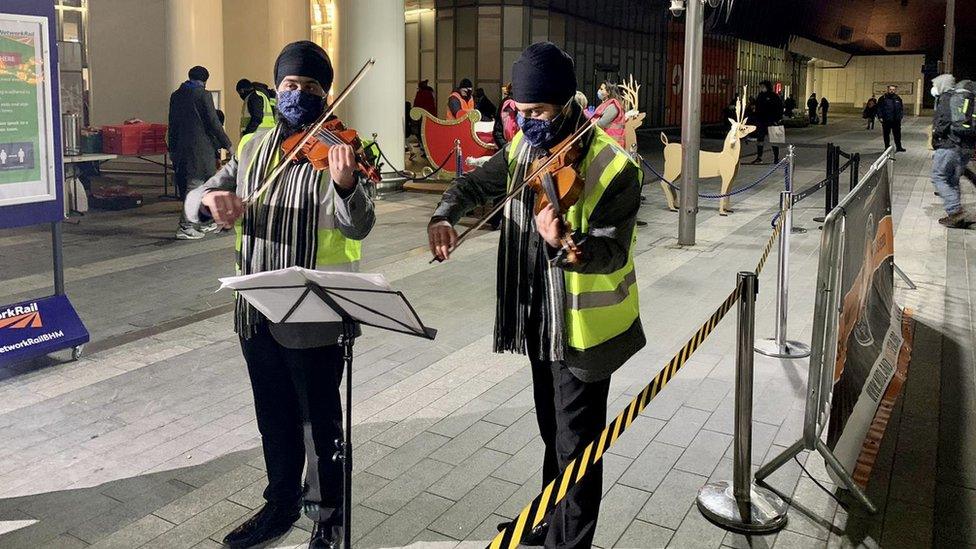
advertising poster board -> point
(874, 336)
(27, 171)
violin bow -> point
(312, 130)
(580, 132)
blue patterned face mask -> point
(300, 108)
(540, 132)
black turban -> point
(306, 59)
(543, 74)
(199, 73)
(464, 83)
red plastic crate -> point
(134, 139)
(124, 138)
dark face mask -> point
(300, 108)
(541, 133)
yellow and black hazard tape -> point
(533, 513)
(769, 246)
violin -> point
(555, 180)
(324, 132)
(315, 147)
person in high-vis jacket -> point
(258, 110)
(461, 100)
(308, 219)
(578, 322)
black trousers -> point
(299, 415)
(570, 413)
(891, 127)
(823, 120)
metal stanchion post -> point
(458, 162)
(830, 171)
(743, 506)
(778, 346)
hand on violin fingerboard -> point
(342, 166)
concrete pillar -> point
(373, 28)
(811, 79)
(288, 21)
(195, 36)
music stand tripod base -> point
(792, 349)
(764, 512)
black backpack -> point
(963, 106)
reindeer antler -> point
(740, 109)
(631, 97)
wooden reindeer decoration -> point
(722, 164)
(633, 118)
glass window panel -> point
(445, 48)
(465, 60)
(489, 48)
(513, 18)
(467, 27)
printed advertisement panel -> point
(875, 335)
(26, 123)
(38, 327)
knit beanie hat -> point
(304, 58)
(543, 74)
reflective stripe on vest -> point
(465, 106)
(268, 118)
(334, 252)
(598, 307)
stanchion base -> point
(793, 349)
(764, 512)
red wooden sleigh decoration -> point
(438, 136)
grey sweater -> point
(352, 213)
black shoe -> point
(757, 161)
(535, 537)
(270, 522)
(955, 221)
(325, 536)
(900, 149)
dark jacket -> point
(812, 104)
(890, 108)
(789, 106)
(942, 136)
(195, 133)
(769, 109)
(486, 108)
(824, 105)
(870, 109)
(605, 248)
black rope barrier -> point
(766, 176)
(403, 173)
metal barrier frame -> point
(824, 340)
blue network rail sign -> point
(35, 328)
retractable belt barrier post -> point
(778, 346)
(458, 162)
(742, 505)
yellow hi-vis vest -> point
(598, 307)
(334, 252)
(267, 117)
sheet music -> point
(283, 296)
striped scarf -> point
(519, 275)
(280, 230)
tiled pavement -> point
(151, 441)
